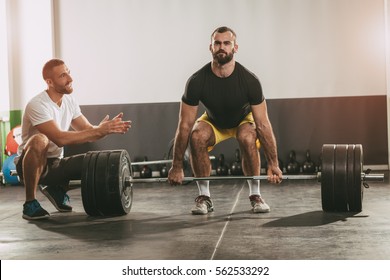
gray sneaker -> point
(203, 205)
(258, 204)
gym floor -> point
(160, 226)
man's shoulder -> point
(202, 71)
(40, 96)
(243, 68)
(245, 71)
(37, 100)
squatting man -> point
(46, 124)
(235, 107)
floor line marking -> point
(227, 223)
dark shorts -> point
(58, 171)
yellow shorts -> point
(222, 134)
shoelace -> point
(35, 205)
(66, 198)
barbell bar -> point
(364, 177)
(129, 180)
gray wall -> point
(299, 124)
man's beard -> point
(223, 59)
(63, 89)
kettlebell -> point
(293, 166)
(319, 163)
(236, 168)
(146, 171)
(222, 169)
(308, 166)
(164, 169)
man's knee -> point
(202, 138)
(202, 135)
(38, 142)
(198, 138)
(247, 136)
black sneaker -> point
(32, 210)
(57, 196)
(203, 205)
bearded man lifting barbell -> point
(235, 107)
(45, 131)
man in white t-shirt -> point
(45, 131)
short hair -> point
(224, 29)
(48, 67)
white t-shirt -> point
(42, 109)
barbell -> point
(107, 180)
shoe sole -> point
(46, 193)
(261, 211)
(200, 212)
(26, 217)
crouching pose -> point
(45, 131)
(235, 107)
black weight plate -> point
(327, 177)
(84, 180)
(94, 210)
(88, 184)
(351, 177)
(341, 178)
(358, 187)
(103, 183)
(101, 177)
(110, 164)
(120, 197)
(112, 196)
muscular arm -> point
(266, 137)
(81, 123)
(84, 131)
(187, 118)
